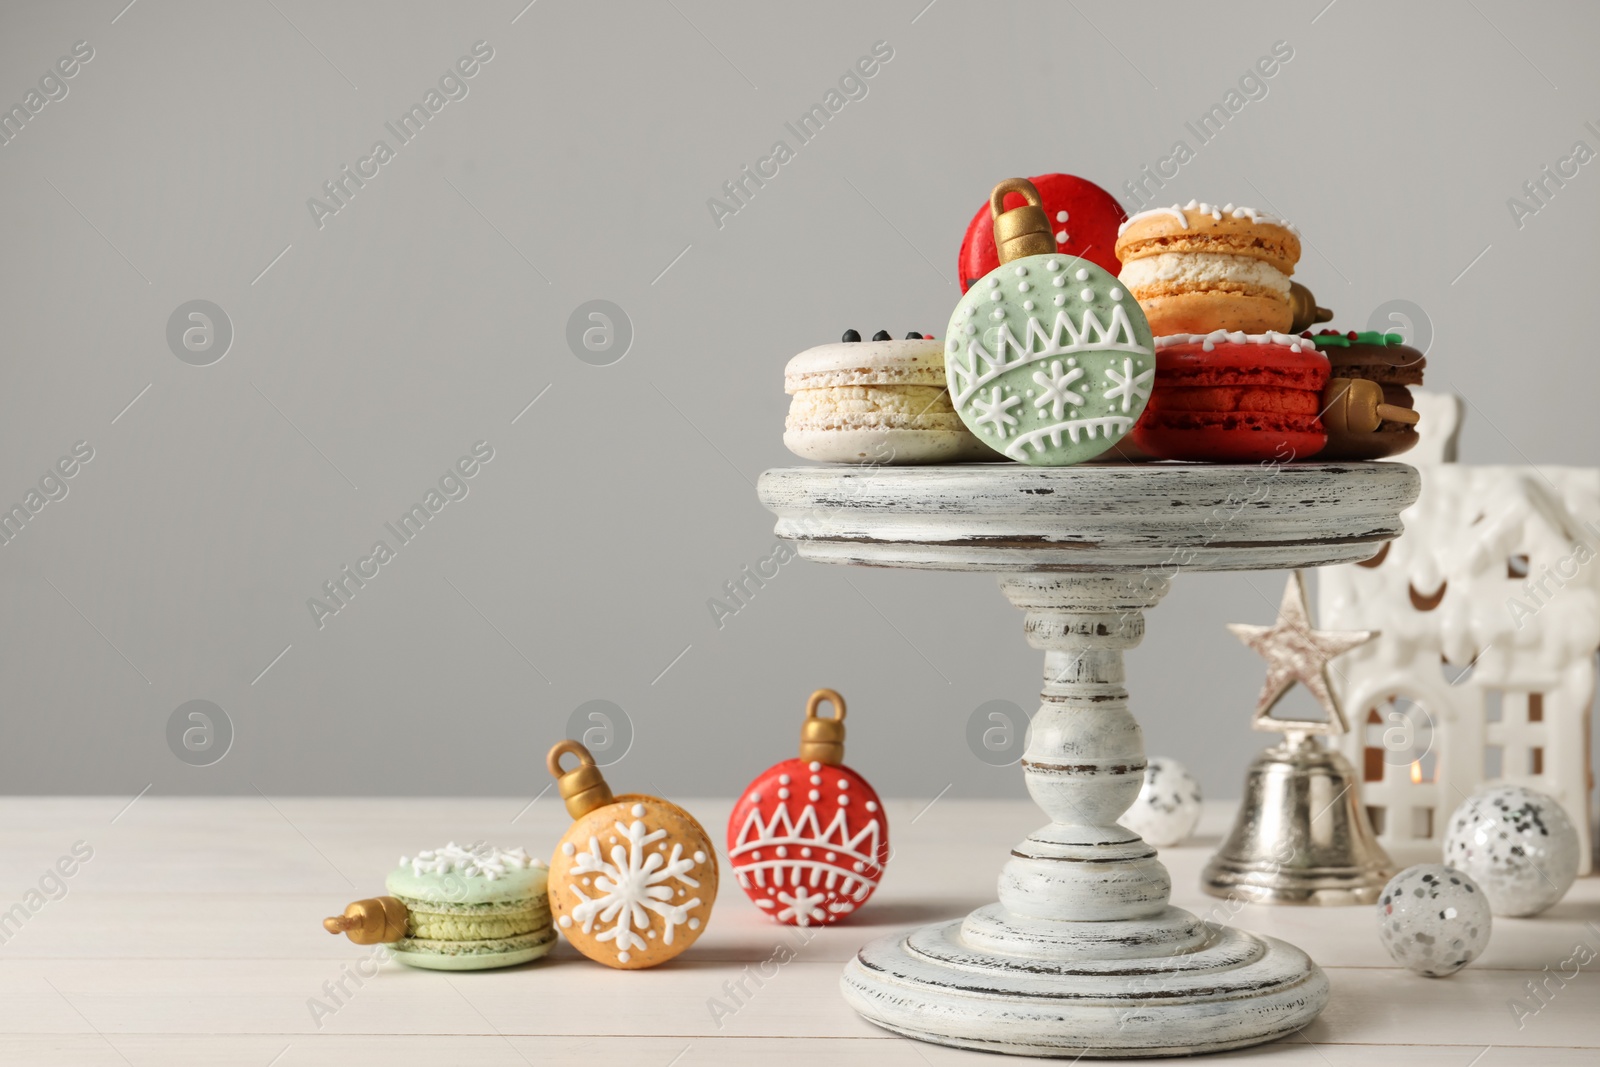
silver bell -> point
(1302, 835)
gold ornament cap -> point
(584, 788)
(1355, 405)
(1022, 231)
(822, 740)
(1306, 312)
(376, 920)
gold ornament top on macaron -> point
(633, 880)
(1199, 268)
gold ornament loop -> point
(822, 740)
(584, 788)
(561, 748)
(1022, 231)
(997, 197)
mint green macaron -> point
(472, 908)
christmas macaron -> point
(808, 839)
(1082, 220)
(1200, 268)
(877, 401)
(1048, 360)
(1235, 398)
(457, 909)
(1367, 402)
(634, 878)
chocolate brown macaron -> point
(1369, 412)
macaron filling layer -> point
(888, 407)
(422, 947)
(475, 922)
(1174, 273)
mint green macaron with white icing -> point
(1049, 360)
(472, 908)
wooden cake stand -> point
(1083, 955)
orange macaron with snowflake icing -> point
(634, 878)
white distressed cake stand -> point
(1083, 954)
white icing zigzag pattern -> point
(828, 869)
(1064, 338)
(1108, 426)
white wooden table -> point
(193, 937)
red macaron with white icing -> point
(1235, 398)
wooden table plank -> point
(193, 935)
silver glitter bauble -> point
(1433, 919)
(1518, 844)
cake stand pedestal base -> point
(1235, 990)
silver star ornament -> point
(1297, 653)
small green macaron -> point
(472, 908)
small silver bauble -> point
(1518, 844)
(1433, 919)
(1168, 806)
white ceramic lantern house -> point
(1489, 612)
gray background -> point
(427, 313)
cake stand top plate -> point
(1014, 518)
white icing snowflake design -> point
(1056, 392)
(802, 906)
(632, 886)
(996, 411)
(1128, 386)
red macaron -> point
(1083, 220)
(1235, 398)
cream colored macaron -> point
(879, 401)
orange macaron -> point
(1200, 268)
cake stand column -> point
(1083, 955)
(1084, 762)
